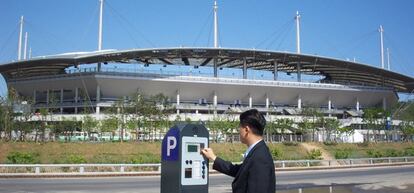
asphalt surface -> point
(383, 179)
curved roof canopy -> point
(336, 70)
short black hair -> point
(254, 119)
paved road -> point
(386, 179)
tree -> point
(373, 117)
(305, 126)
(110, 124)
(89, 124)
(408, 130)
(331, 126)
(315, 115)
(282, 125)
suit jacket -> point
(255, 175)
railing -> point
(155, 169)
(342, 162)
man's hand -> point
(209, 154)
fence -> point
(155, 169)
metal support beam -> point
(274, 63)
(215, 67)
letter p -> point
(170, 145)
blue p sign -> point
(170, 145)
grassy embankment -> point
(130, 152)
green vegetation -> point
(22, 158)
(149, 152)
(364, 150)
(343, 153)
(315, 154)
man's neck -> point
(253, 140)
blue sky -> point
(333, 28)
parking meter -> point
(183, 168)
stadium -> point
(88, 80)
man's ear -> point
(248, 130)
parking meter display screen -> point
(192, 148)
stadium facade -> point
(346, 88)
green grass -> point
(132, 152)
(370, 150)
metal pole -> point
(297, 32)
(25, 47)
(100, 31)
(381, 30)
(215, 25)
(30, 52)
(298, 43)
(388, 59)
(19, 48)
(100, 25)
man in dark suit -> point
(256, 174)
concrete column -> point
(215, 102)
(384, 103)
(299, 102)
(267, 105)
(76, 95)
(61, 101)
(215, 67)
(267, 101)
(274, 63)
(98, 99)
(250, 101)
(34, 96)
(329, 105)
(47, 97)
(357, 104)
(244, 68)
(299, 73)
(76, 99)
(178, 101)
(98, 93)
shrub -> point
(290, 143)
(409, 151)
(276, 153)
(342, 154)
(392, 153)
(22, 158)
(374, 153)
(145, 158)
(315, 154)
(75, 159)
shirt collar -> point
(250, 148)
